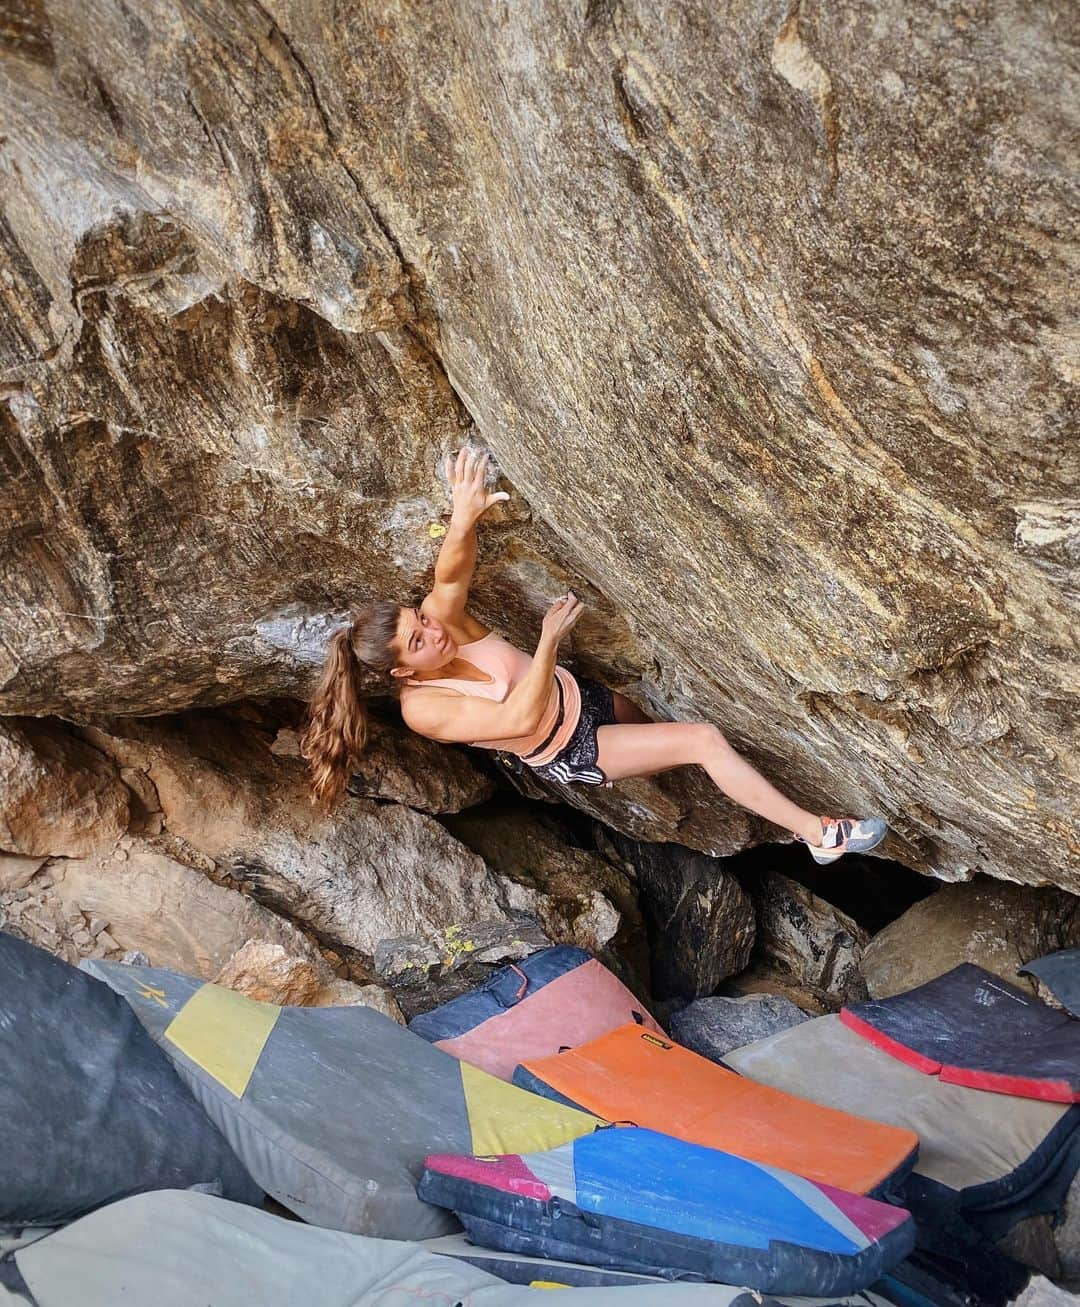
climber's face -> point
(422, 643)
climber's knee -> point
(708, 740)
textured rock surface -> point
(997, 926)
(138, 898)
(368, 871)
(681, 806)
(763, 309)
(809, 939)
(1042, 1292)
(270, 974)
(399, 765)
(578, 897)
(714, 1026)
(699, 919)
(425, 971)
(1067, 1235)
(58, 795)
(764, 978)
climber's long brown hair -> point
(338, 726)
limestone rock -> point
(700, 921)
(997, 926)
(261, 267)
(808, 938)
(714, 1026)
(399, 765)
(58, 795)
(269, 973)
(369, 871)
(1031, 1243)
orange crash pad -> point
(632, 1076)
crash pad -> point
(558, 997)
(633, 1075)
(90, 1109)
(333, 1109)
(989, 1150)
(174, 1249)
(519, 1268)
(970, 1027)
(641, 1201)
(1060, 973)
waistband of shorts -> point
(551, 734)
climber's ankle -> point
(812, 832)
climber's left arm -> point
(457, 558)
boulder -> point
(996, 926)
(401, 766)
(577, 896)
(425, 971)
(1031, 1243)
(270, 974)
(699, 919)
(137, 897)
(762, 977)
(714, 1026)
(58, 794)
(808, 939)
(16, 871)
(1067, 1234)
(369, 871)
(262, 269)
(681, 806)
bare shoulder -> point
(461, 624)
(426, 709)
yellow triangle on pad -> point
(506, 1119)
(224, 1033)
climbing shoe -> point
(842, 835)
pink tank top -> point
(506, 665)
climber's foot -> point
(840, 835)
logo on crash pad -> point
(658, 1043)
(152, 993)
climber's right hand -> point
(561, 616)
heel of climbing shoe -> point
(846, 835)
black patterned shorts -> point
(576, 760)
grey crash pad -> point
(181, 1249)
(983, 1146)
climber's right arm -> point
(461, 718)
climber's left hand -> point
(466, 474)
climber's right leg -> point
(634, 749)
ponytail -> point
(339, 721)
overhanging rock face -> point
(763, 309)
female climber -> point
(462, 683)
